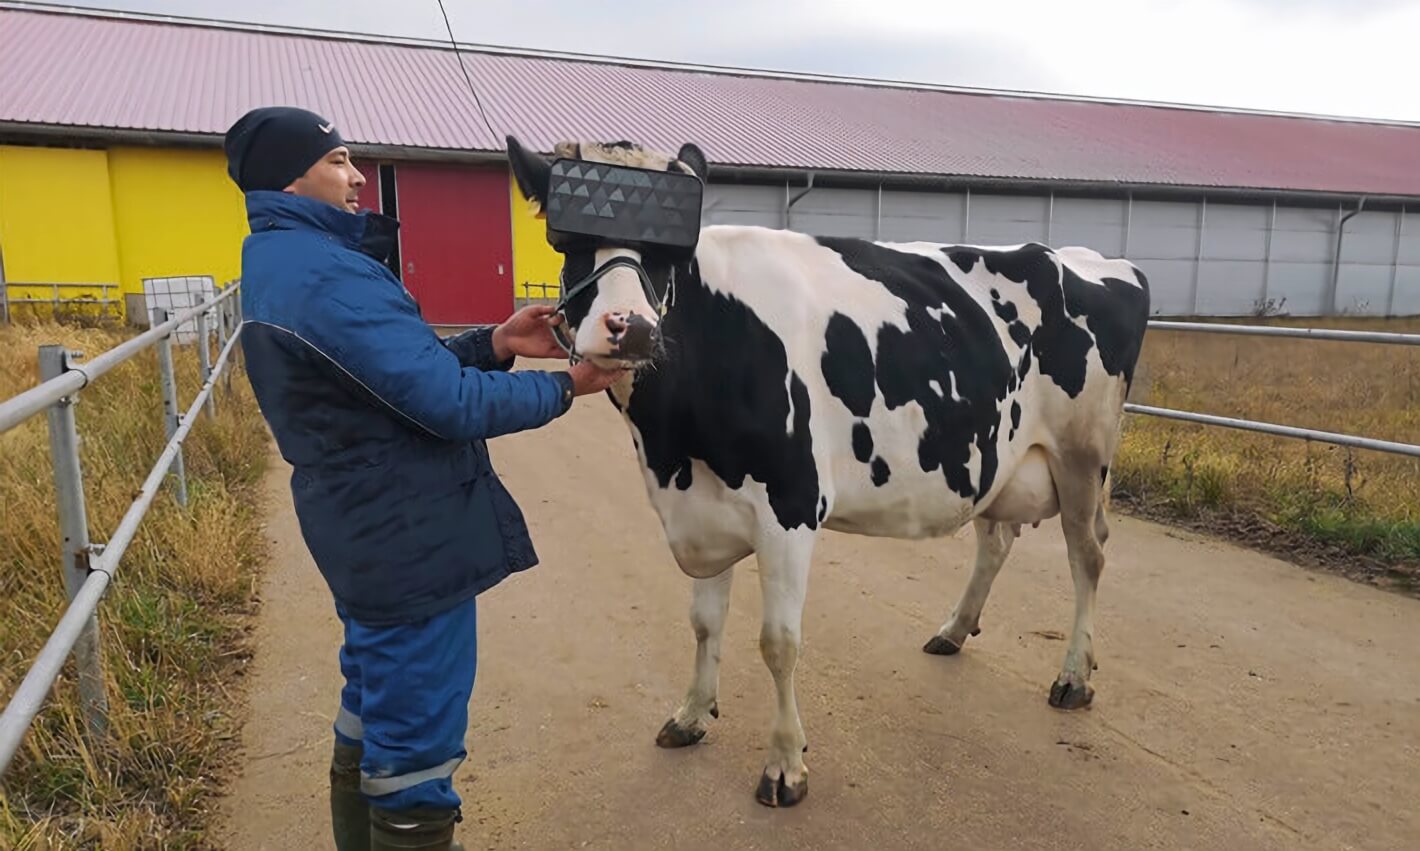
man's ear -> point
(532, 173)
(693, 157)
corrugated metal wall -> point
(1203, 258)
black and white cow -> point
(887, 389)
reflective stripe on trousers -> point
(376, 786)
(348, 724)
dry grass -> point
(172, 623)
(1358, 510)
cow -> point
(781, 384)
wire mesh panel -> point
(176, 294)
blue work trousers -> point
(405, 700)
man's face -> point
(333, 179)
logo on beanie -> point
(326, 128)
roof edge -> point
(24, 132)
(44, 7)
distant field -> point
(172, 623)
(1356, 511)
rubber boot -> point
(425, 830)
(349, 811)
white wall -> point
(1202, 258)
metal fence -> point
(57, 297)
(539, 292)
(89, 567)
(1382, 337)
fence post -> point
(204, 354)
(238, 318)
(74, 527)
(224, 333)
(170, 401)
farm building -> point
(111, 171)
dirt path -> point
(1241, 702)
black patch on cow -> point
(1004, 309)
(1117, 314)
(881, 472)
(1020, 332)
(848, 366)
(963, 342)
(862, 442)
(1015, 418)
(1060, 345)
(822, 508)
(684, 478)
(721, 396)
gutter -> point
(799, 196)
(1336, 261)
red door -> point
(456, 242)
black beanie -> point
(270, 147)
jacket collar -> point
(366, 232)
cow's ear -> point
(694, 158)
(532, 173)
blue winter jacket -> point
(383, 422)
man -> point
(384, 425)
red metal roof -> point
(76, 70)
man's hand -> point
(587, 377)
(528, 334)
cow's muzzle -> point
(630, 337)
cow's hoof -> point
(940, 646)
(673, 735)
(1070, 695)
(777, 792)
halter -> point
(659, 302)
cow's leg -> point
(993, 544)
(784, 579)
(709, 606)
(1082, 518)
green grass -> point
(172, 625)
(1360, 503)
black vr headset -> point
(598, 204)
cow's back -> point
(880, 388)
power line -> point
(466, 78)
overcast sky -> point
(1339, 57)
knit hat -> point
(270, 147)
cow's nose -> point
(632, 336)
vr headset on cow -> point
(599, 205)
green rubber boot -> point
(424, 830)
(349, 811)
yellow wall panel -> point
(56, 220)
(534, 261)
(177, 213)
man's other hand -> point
(587, 377)
(528, 334)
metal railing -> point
(1339, 439)
(539, 292)
(90, 567)
(57, 298)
